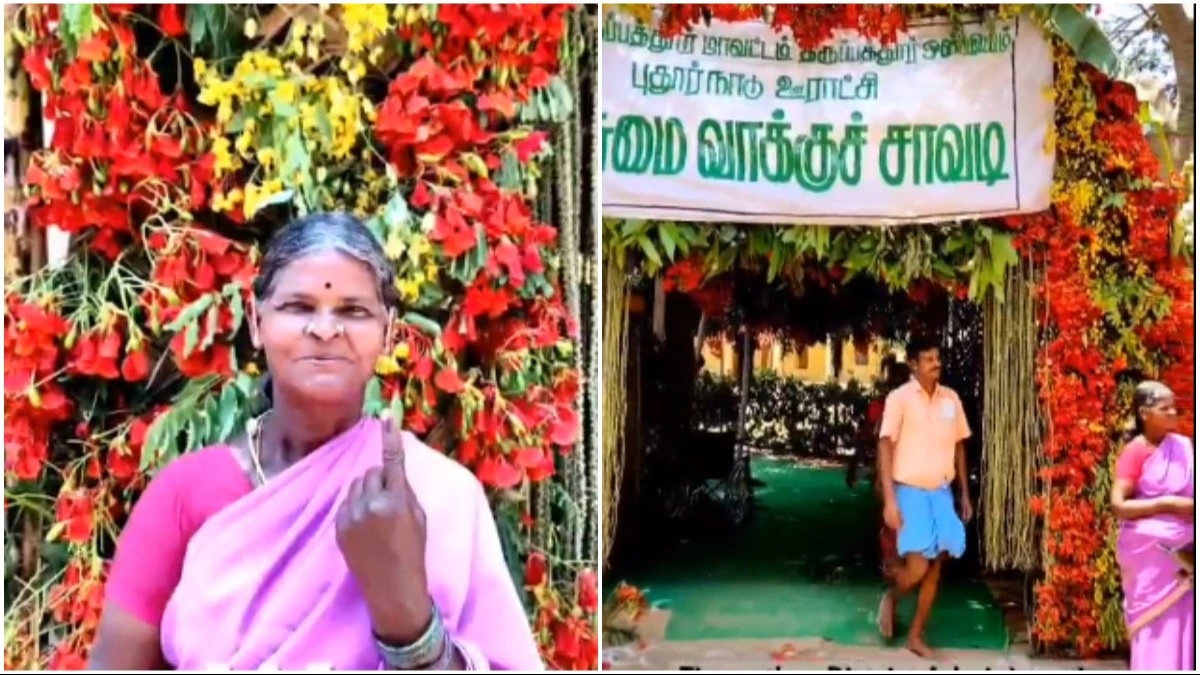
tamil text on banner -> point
(735, 123)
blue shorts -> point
(930, 524)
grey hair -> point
(1147, 395)
(322, 233)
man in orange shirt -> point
(921, 455)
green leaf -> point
(192, 434)
(323, 124)
(396, 215)
(206, 421)
(197, 24)
(821, 242)
(246, 384)
(668, 241)
(260, 81)
(397, 407)
(648, 248)
(211, 326)
(425, 324)
(1114, 200)
(190, 337)
(237, 309)
(76, 23)
(281, 197)
(1083, 35)
(157, 436)
(1003, 254)
(373, 397)
(190, 313)
(227, 412)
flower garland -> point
(409, 116)
(1115, 304)
(1116, 312)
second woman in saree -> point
(1153, 496)
(321, 538)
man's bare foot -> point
(887, 615)
(917, 646)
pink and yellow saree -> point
(1159, 600)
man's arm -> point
(884, 467)
(960, 470)
(889, 433)
(963, 432)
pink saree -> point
(1159, 608)
(264, 585)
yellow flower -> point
(401, 351)
(266, 157)
(394, 247)
(286, 91)
(386, 365)
(420, 245)
(199, 67)
(224, 112)
(243, 144)
(409, 289)
(225, 162)
(254, 197)
(251, 368)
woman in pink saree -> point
(1153, 495)
(320, 539)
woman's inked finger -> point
(372, 483)
(394, 476)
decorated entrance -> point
(890, 171)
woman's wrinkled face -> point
(1160, 417)
(322, 328)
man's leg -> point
(914, 541)
(951, 538)
(925, 598)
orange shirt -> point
(925, 429)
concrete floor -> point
(655, 653)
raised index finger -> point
(395, 478)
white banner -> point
(734, 123)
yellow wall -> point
(817, 367)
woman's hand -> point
(1180, 506)
(381, 532)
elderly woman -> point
(320, 538)
(1154, 497)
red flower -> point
(537, 570)
(498, 472)
(170, 20)
(589, 591)
(75, 512)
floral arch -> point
(182, 135)
(1101, 279)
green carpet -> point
(802, 567)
